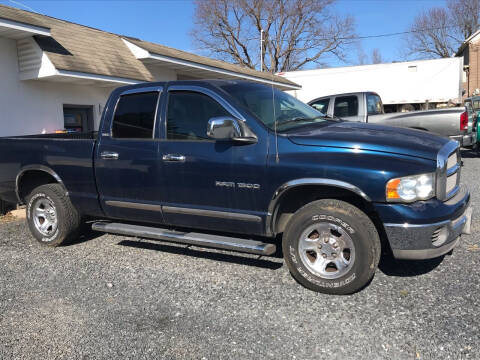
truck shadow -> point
(407, 268)
(86, 234)
(469, 154)
(184, 250)
(388, 264)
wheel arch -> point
(296, 193)
(31, 176)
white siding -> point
(34, 106)
(29, 55)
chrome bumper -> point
(428, 241)
(465, 140)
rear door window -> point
(346, 106)
(135, 116)
(321, 105)
(374, 104)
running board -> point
(191, 238)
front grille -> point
(451, 182)
(448, 171)
(453, 174)
(452, 160)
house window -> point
(78, 118)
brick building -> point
(470, 51)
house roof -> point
(78, 48)
(466, 42)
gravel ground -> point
(117, 297)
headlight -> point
(411, 188)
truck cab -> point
(243, 166)
(351, 106)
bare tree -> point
(362, 58)
(431, 35)
(376, 57)
(438, 32)
(295, 33)
(465, 14)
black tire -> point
(67, 218)
(350, 223)
(4, 207)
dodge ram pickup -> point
(367, 107)
(243, 166)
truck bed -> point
(62, 136)
(70, 156)
(445, 122)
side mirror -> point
(229, 128)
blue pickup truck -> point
(242, 166)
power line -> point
(23, 5)
(397, 33)
(372, 36)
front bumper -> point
(465, 140)
(429, 229)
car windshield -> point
(273, 105)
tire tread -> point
(71, 220)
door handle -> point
(109, 155)
(172, 157)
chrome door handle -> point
(172, 157)
(109, 155)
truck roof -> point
(208, 82)
(345, 94)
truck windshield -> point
(270, 106)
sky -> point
(169, 22)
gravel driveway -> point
(117, 297)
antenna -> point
(261, 49)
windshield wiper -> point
(299, 119)
(332, 117)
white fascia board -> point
(81, 75)
(27, 28)
(141, 53)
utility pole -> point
(261, 49)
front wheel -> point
(331, 246)
(51, 217)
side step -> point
(191, 238)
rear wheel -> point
(331, 246)
(51, 217)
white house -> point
(55, 74)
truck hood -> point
(361, 136)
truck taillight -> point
(464, 121)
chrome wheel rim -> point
(327, 250)
(45, 217)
